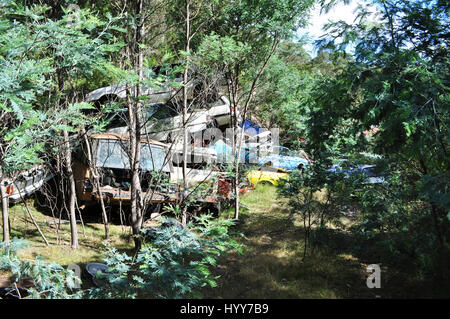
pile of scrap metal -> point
(162, 150)
(111, 161)
(159, 178)
(164, 124)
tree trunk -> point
(5, 213)
(238, 142)
(185, 109)
(134, 112)
(72, 194)
(95, 176)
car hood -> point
(285, 159)
(157, 95)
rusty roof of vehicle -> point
(115, 136)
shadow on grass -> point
(271, 266)
(401, 276)
(335, 267)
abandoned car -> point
(27, 182)
(219, 112)
(267, 175)
(110, 159)
(283, 157)
(160, 181)
(368, 173)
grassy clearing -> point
(270, 268)
(91, 236)
(272, 265)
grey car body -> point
(27, 182)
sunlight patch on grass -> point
(262, 195)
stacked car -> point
(163, 149)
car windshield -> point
(112, 154)
(159, 111)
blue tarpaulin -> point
(251, 128)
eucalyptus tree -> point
(197, 17)
(242, 41)
(43, 62)
(398, 84)
(142, 24)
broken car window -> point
(112, 154)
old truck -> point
(160, 181)
(110, 159)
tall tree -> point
(197, 16)
(244, 39)
(397, 84)
(57, 50)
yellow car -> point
(267, 175)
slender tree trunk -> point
(72, 193)
(234, 86)
(134, 112)
(185, 113)
(244, 115)
(5, 215)
(135, 183)
(95, 176)
(32, 218)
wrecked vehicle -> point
(199, 169)
(267, 175)
(27, 182)
(195, 177)
(159, 181)
(163, 123)
(169, 89)
(369, 173)
(195, 155)
(283, 157)
(110, 158)
(219, 112)
(249, 152)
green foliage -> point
(49, 280)
(221, 53)
(397, 85)
(42, 61)
(176, 263)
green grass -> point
(91, 237)
(272, 266)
